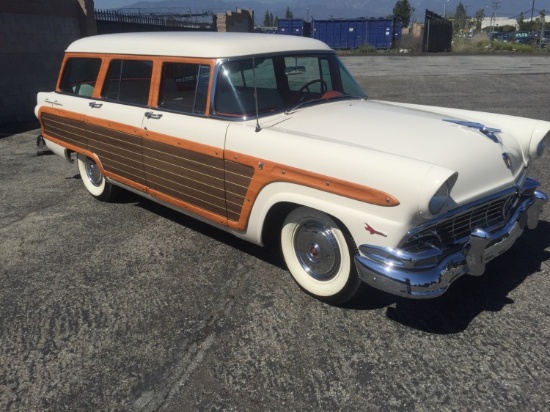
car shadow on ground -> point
(469, 296)
(205, 229)
(451, 313)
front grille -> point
(456, 227)
(490, 217)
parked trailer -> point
(294, 27)
(354, 33)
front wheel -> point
(93, 179)
(318, 256)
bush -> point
(461, 45)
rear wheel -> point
(319, 256)
(93, 179)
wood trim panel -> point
(67, 130)
(193, 177)
(120, 152)
(272, 172)
(237, 183)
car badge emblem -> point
(373, 231)
(507, 160)
(487, 131)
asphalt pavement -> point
(132, 306)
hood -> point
(485, 161)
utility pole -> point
(532, 10)
(445, 8)
(494, 19)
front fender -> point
(354, 215)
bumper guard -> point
(403, 274)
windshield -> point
(282, 83)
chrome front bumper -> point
(405, 274)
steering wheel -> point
(306, 86)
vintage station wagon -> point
(270, 138)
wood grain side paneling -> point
(67, 130)
(119, 152)
(186, 175)
(238, 178)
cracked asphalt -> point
(130, 306)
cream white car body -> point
(324, 155)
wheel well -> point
(274, 222)
(275, 218)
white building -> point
(498, 22)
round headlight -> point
(438, 201)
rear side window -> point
(80, 76)
(184, 87)
(128, 81)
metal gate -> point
(438, 33)
(112, 21)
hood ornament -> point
(487, 131)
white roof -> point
(195, 44)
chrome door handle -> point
(151, 115)
(95, 105)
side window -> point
(184, 87)
(79, 76)
(128, 81)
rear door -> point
(114, 123)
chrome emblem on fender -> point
(487, 131)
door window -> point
(184, 87)
(128, 81)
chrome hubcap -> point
(93, 172)
(317, 250)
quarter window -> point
(80, 76)
(128, 81)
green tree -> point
(288, 13)
(478, 19)
(521, 21)
(541, 20)
(460, 19)
(403, 12)
(269, 21)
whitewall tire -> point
(93, 179)
(318, 255)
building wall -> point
(498, 21)
(33, 37)
(236, 21)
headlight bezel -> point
(440, 199)
(537, 149)
(541, 147)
